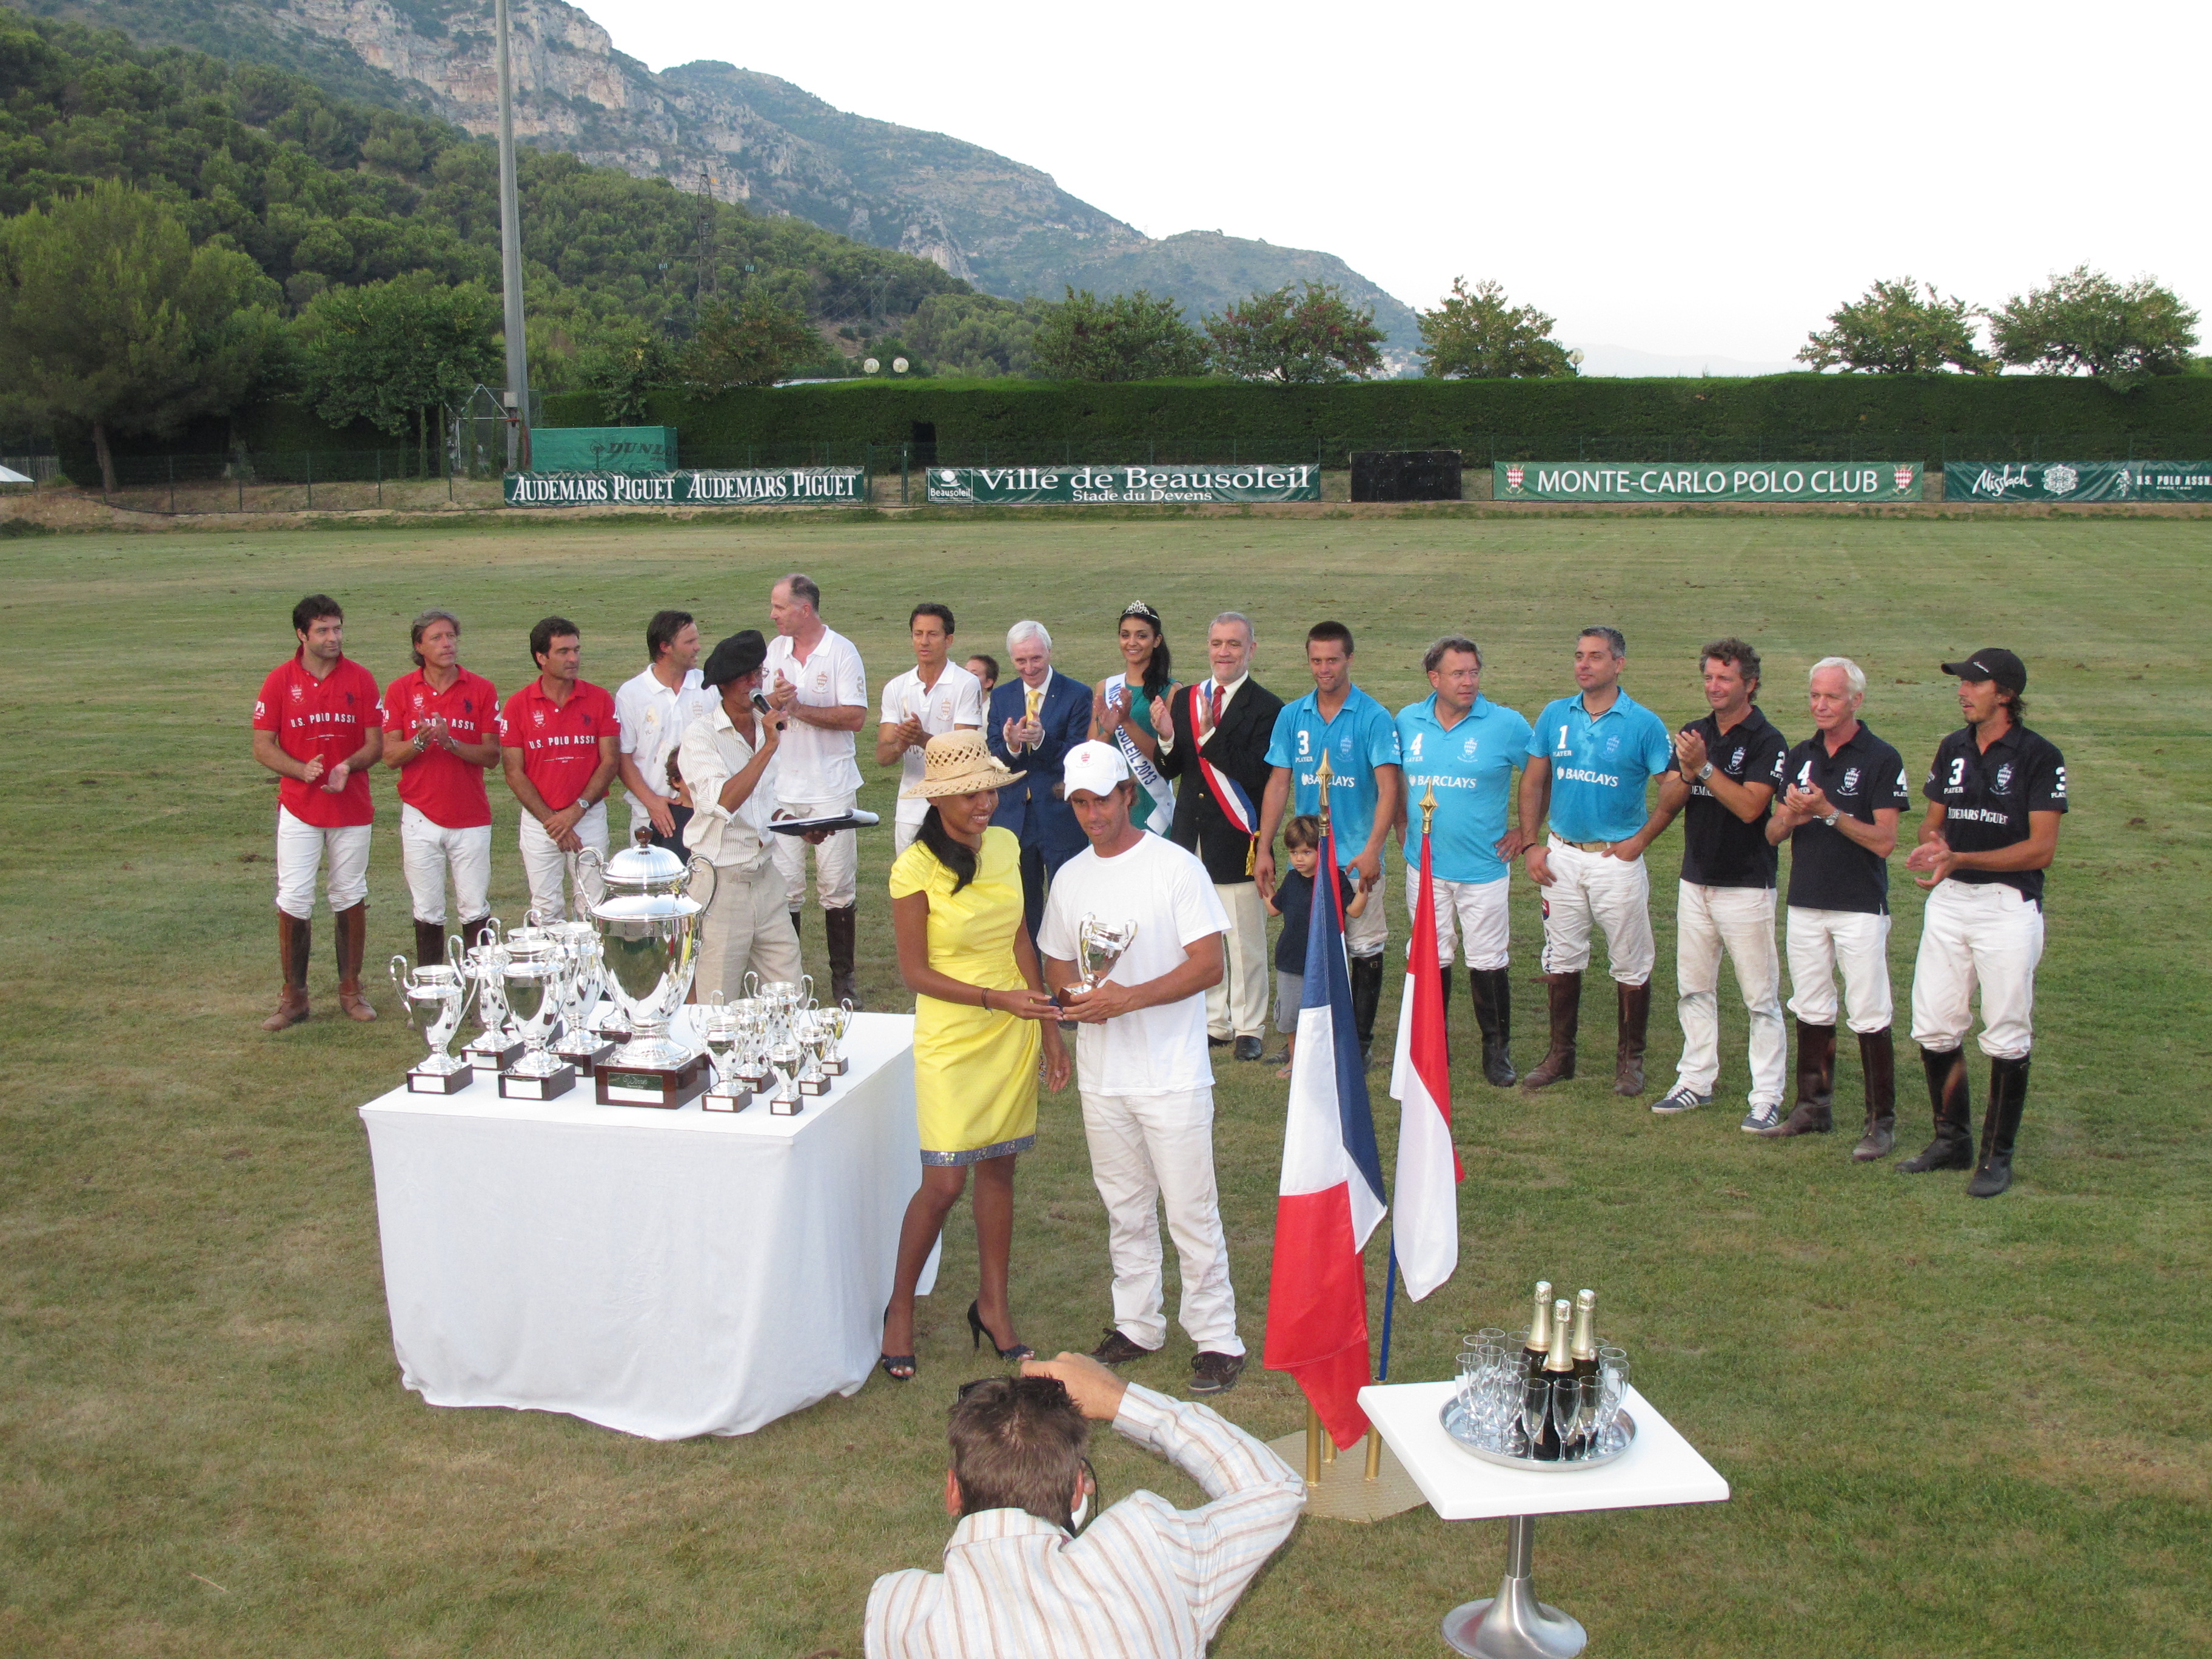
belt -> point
(1584, 846)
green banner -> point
(1248, 481)
(632, 449)
(767, 486)
(1707, 481)
(2077, 481)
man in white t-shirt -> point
(1141, 1065)
(814, 675)
(653, 706)
(934, 696)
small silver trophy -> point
(722, 1028)
(835, 1024)
(442, 991)
(533, 977)
(496, 1046)
(783, 1057)
(1099, 945)
(581, 1045)
(813, 1034)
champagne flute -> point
(1535, 1401)
(1566, 1416)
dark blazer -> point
(1237, 749)
(1032, 808)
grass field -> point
(1951, 1427)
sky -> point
(1699, 180)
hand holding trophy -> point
(1098, 947)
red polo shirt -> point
(560, 742)
(439, 784)
(331, 718)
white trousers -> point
(745, 926)
(1149, 1151)
(1821, 941)
(1985, 934)
(1366, 934)
(1468, 913)
(1614, 894)
(552, 872)
(902, 835)
(299, 849)
(836, 862)
(428, 849)
(1740, 922)
(1236, 1005)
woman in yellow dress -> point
(981, 1019)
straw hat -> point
(958, 764)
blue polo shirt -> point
(1361, 737)
(1599, 765)
(1471, 768)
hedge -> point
(1809, 417)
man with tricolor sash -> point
(1215, 740)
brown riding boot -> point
(1564, 992)
(1813, 1111)
(842, 925)
(1878, 1059)
(429, 943)
(1628, 1058)
(352, 932)
(1951, 1098)
(293, 938)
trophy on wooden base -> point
(496, 1046)
(722, 1029)
(442, 991)
(648, 929)
(783, 1057)
(835, 1024)
(581, 1045)
(813, 1034)
(532, 981)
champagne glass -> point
(1535, 1401)
(1566, 1416)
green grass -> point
(1951, 1427)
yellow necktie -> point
(1036, 695)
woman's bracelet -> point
(984, 1000)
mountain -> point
(743, 135)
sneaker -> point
(1683, 1098)
(1119, 1350)
(1760, 1118)
(1215, 1373)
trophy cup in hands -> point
(442, 991)
(533, 981)
(1098, 947)
(783, 1058)
(722, 1028)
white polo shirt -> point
(956, 699)
(653, 720)
(714, 753)
(817, 765)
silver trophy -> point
(783, 1058)
(752, 1044)
(1099, 945)
(722, 1028)
(532, 975)
(496, 1046)
(813, 1034)
(835, 1024)
(440, 990)
(648, 929)
(580, 1044)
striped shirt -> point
(1144, 1579)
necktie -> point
(1214, 706)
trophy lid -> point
(644, 867)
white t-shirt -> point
(653, 721)
(956, 699)
(1168, 894)
(817, 765)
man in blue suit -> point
(1036, 718)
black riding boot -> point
(1492, 990)
(1366, 995)
(2007, 1097)
(1951, 1097)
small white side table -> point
(1661, 1468)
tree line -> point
(2080, 322)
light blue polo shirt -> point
(1361, 737)
(1600, 765)
(1471, 768)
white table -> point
(1661, 1468)
(666, 1273)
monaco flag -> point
(1426, 1232)
(1331, 1194)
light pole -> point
(510, 263)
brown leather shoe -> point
(1628, 1056)
(352, 931)
(1119, 1350)
(293, 938)
(1215, 1373)
(1564, 993)
(1813, 1113)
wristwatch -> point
(1704, 771)
(1831, 819)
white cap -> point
(1097, 766)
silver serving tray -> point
(1454, 1419)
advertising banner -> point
(632, 449)
(1707, 481)
(2077, 481)
(768, 486)
(1246, 481)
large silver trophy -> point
(533, 976)
(649, 928)
(440, 990)
(1100, 944)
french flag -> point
(1425, 1234)
(1331, 1196)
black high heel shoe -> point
(899, 1367)
(977, 1330)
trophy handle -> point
(400, 974)
(456, 953)
(692, 870)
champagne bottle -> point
(1558, 1366)
(1585, 1338)
(1540, 1330)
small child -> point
(985, 667)
(1293, 902)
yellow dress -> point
(974, 1070)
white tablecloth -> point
(664, 1273)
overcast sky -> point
(1702, 178)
